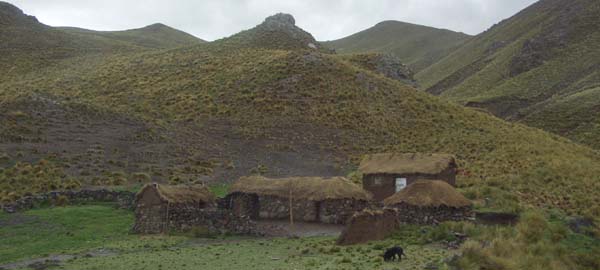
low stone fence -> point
(432, 215)
(124, 199)
(213, 219)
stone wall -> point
(339, 211)
(150, 219)
(184, 218)
(432, 215)
(160, 218)
(272, 207)
(372, 225)
(124, 199)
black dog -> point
(391, 253)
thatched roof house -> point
(328, 200)
(429, 193)
(309, 188)
(386, 174)
(187, 194)
(157, 206)
(430, 202)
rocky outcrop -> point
(124, 199)
(11, 15)
(276, 32)
(385, 64)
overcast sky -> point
(325, 19)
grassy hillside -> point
(542, 59)
(212, 112)
(417, 46)
(152, 36)
(28, 45)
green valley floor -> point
(97, 237)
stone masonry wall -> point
(272, 207)
(184, 218)
(339, 211)
(124, 199)
(432, 215)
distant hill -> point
(540, 67)
(152, 36)
(416, 45)
(266, 101)
(28, 45)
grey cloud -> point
(326, 20)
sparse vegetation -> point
(535, 243)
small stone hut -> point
(311, 199)
(430, 202)
(160, 208)
(386, 174)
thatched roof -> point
(310, 188)
(180, 193)
(429, 193)
(392, 163)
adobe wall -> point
(369, 225)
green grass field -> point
(97, 237)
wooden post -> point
(291, 208)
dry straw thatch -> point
(429, 193)
(180, 193)
(392, 163)
(309, 188)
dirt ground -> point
(281, 228)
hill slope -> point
(152, 36)
(28, 45)
(212, 113)
(416, 45)
(526, 67)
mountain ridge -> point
(541, 56)
(416, 45)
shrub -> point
(141, 177)
(61, 200)
(532, 227)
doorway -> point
(400, 184)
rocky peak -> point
(286, 24)
(11, 15)
(281, 19)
